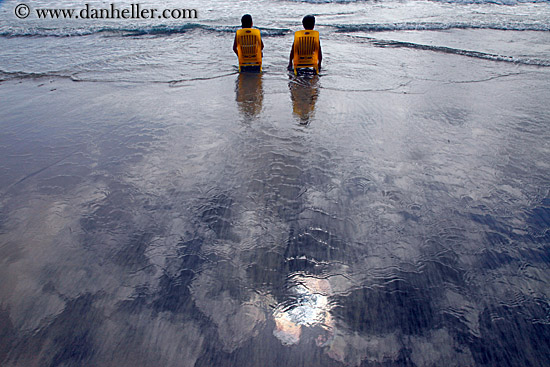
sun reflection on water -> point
(309, 307)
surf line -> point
(455, 51)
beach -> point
(157, 208)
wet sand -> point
(267, 220)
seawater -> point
(172, 50)
(158, 208)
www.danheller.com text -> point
(133, 11)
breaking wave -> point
(457, 51)
(75, 77)
(10, 75)
(157, 30)
(465, 2)
(426, 26)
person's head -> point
(308, 22)
(246, 21)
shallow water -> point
(157, 208)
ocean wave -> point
(496, 2)
(75, 77)
(464, 2)
(461, 52)
(435, 26)
(10, 75)
(157, 30)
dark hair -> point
(308, 22)
(246, 21)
